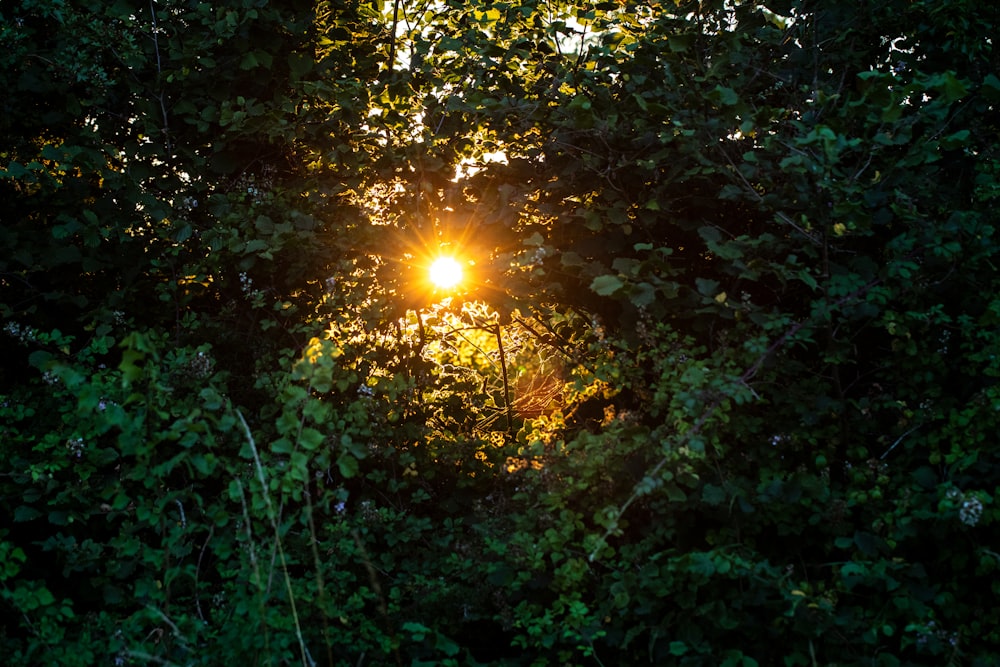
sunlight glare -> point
(445, 272)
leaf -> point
(713, 495)
(843, 542)
(535, 239)
(680, 43)
(446, 645)
(25, 513)
(203, 464)
(348, 466)
(183, 234)
(299, 65)
(955, 140)
(991, 88)
(950, 87)
(642, 295)
(282, 446)
(926, 477)
(417, 630)
(40, 359)
(211, 399)
(571, 258)
(674, 493)
(707, 287)
(702, 563)
(15, 170)
(724, 96)
(606, 285)
(249, 61)
(867, 543)
(626, 265)
(780, 22)
(311, 439)
(710, 233)
(580, 103)
(264, 224)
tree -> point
(719, 388)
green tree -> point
(719, 387)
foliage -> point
(720, 387)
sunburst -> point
(445, 272)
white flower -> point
(76, 447)
(24, 334)
(971, 510)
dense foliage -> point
(720, 387)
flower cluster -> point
(970, 508)
(201, 365)
(22, 333)
(970, 511)
(246, 286)
(76, 447)
(931, 632)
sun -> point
(445, 272)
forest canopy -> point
(715, 382)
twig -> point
(159, 76)
(320, 584)
(180, 508)
(506, 383)
(898, 440)
(392, 43)
(149, 658)
(307, 660)
(197, 573)
(784, 218)
(253, 562)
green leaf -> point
(955, 140)
(25, 513)
(311, 439)
(707, 287)
(710, 233)
(702, 563)
(203, 464)
(949, 86)
(606, 285)
(679, 43)
(264, 224)
(40, 359)
(713, 495)
(416, 630)
(678, 648)
(282, 446)
(348, 466)
(446, 645)
(991, 88)
(14, 170)
(642, 295)
(674, 493)
(211, 399)
(724, 96)
(867, 543)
